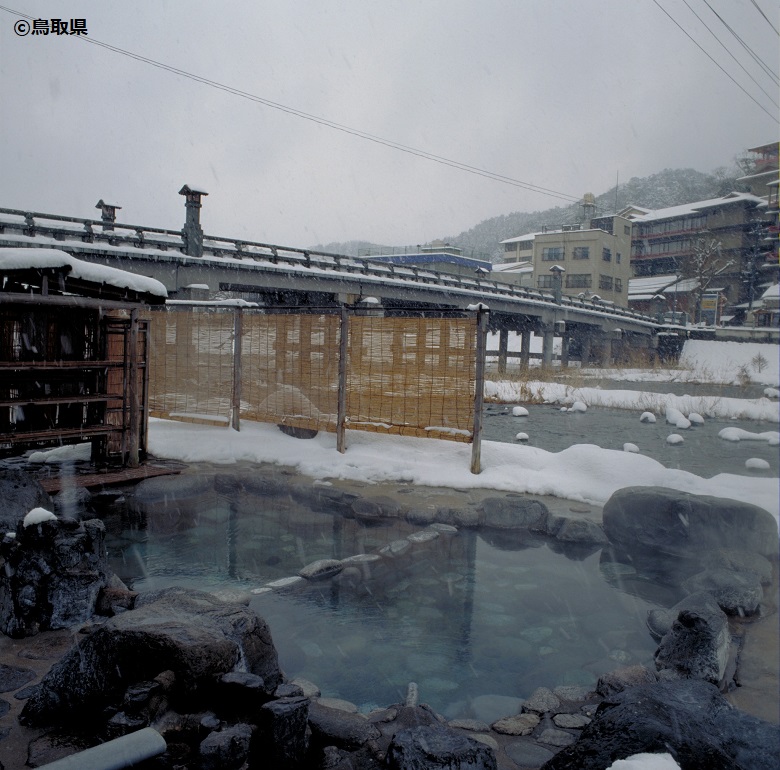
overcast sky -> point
(562, 94)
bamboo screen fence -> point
(411, 376)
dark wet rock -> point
(13, 677)
(53, 574)
(189, 633)
(571, 529)
(675, 522)
(373, 508)
(688, 719)
(123, 724)
(738, 560)
(283, 725)
(571, 721)
(288, 690)
(541, 701)
(554, 737)
(520, 724)
(696, 646)
(572, 692)
(737, 593)
(71, 501)
(56, 745)
(226, 749)
(511, 513)
(395, 548)
(239, 693)
(472, 725)
(321, 569)
(334, 727)
(659, 622)
(422, 515)
(295, 432)
(437, 747)
(623, 678)
(258, 483)
(20, 493)
(4, 707)
(528, 755)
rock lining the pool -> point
(220, 699)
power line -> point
(755, 56)
(758, 8)
(325, 121)
(685, 32)
(725, 48)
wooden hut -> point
(73, 353)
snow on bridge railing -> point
(59, 227)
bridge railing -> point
(327, 369)
(159, 241)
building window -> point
(509, 247)
(546, 281)
(618, 257)
(552, 254)
(605, 282)
(606, 254)
(525, 245)
(619, 285)
(581, 281)
(626, 230)
(581, 252)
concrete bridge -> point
(279, 275)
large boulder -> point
(511, 512)
(53, 573)
(19, 494)
(436, 747)
(689, 719)
(190, 633)
(675, 522)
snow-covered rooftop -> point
(698, 206)
(34, 259)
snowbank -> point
(582, 472)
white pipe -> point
(114, 755)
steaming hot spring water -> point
(475, 618)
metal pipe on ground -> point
(117, 754)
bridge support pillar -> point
(587, 344)
(606, 351)
(525, 348)
(565, 338)
(503, 348)
(548, 337)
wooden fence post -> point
(479, 389)
(132, 392)
(341, 418)
(236, 396)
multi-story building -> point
(595, 257)
(764, 169)
(729, 232)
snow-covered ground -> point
(583, 472)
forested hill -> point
(671, 187)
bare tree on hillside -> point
(705, 264)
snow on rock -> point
(519, 411)
(521, 437)
(645, 762)
(674, 438)
(648, 417)
(772, 392)
(756, 464)
(629, 447)
(38, 515)
(673, 415)
(683, 423)
(696, 418)
(579, 406)
(565, 409)
(738, 434)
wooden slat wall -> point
(408, 376)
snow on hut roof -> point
(32, 259)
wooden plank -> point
(54, 484)
(479, 390)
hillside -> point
(670, 187)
